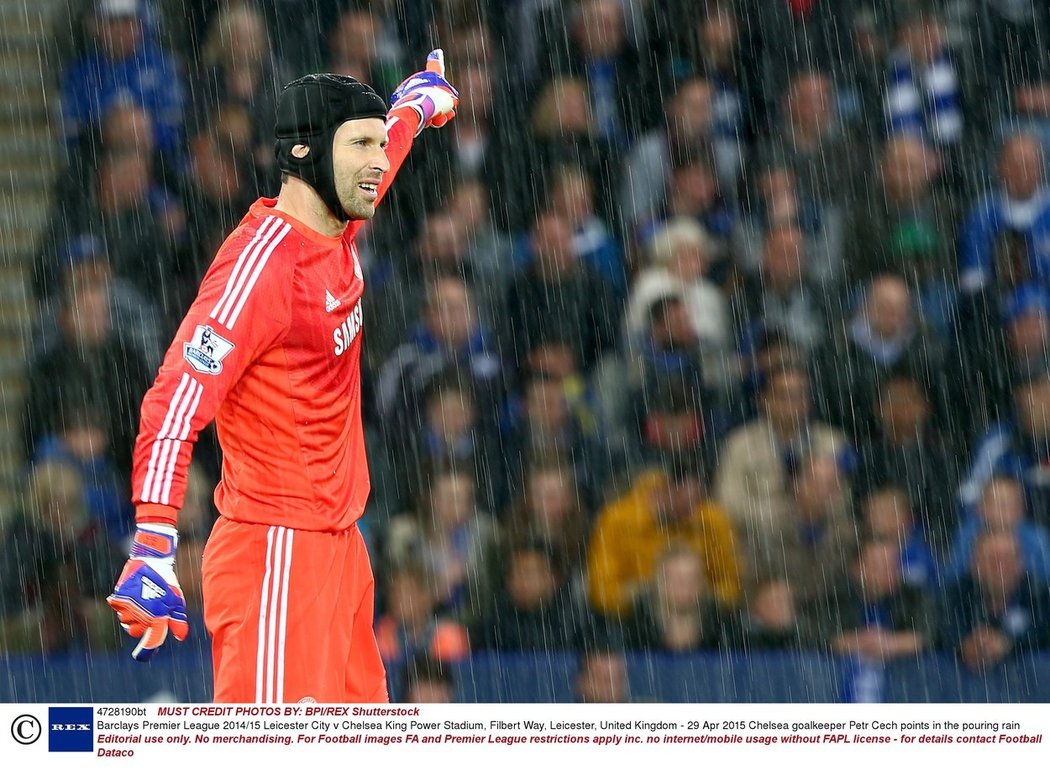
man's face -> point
(783, 258)
(359, 160)
(530, 580)
(1033, 407)
(888, 307)
(997, 564)
(676, 500)
(1021, 167)
(691, 112)
(600, 32)
(450, 313)
(118, 36)
(682, 582)
(902, 409)
(442, 243)
(552, 240)
(878, 570)
(1028, 334)
(907, 169)
(787, 400)
(603, 679)
(809, 102)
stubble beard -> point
(350, 198)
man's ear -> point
(300, 150)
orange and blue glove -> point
(428, 93)
(147, 599)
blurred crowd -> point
(706, 325)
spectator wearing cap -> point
(670, 352)
(1005, 238)
(680, 254)
(665, 506)
(124, 62)
(1017, 445)
(762, 351)
(884, 335)
(758, 459)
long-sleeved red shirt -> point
(271, 350)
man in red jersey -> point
(271, 350)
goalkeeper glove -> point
(428, 93)
(147, 599)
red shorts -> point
(290, 615)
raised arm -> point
(423, 100)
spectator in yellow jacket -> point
(666, 506)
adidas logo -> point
(151, 590)
(330, 302)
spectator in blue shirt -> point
(889, 517)
(123, 64)
(997, 610)
(1001, 509)
(1006, 237)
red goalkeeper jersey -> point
(271, 350)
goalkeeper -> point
(271, 350)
